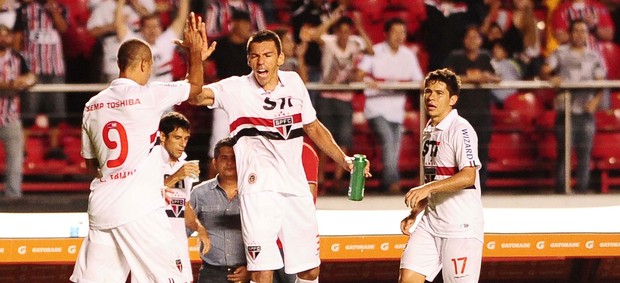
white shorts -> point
(267, 216)
(145, 246)
(461, 258)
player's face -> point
(438, 101)
(264, 60)
(225, 163)
(175, 142)
(151, 29)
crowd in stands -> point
(329, 41)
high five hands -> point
(195, 37)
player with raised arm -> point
(129, 229)
(268, 112)
(450, 233)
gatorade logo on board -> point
(22, 250)
(491, 245)
(589, 245)
(540, 245)
(335, 248)
(385, 246)
(71, 249)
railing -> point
(535, 84)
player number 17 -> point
(459, 261)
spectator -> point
(592, 12)
(219, 16)
(385, 109)
(161, 43)
(341, 51)
(40, 25)
(14, 78)
(576, 63)
(295, 59)
(101, 26)
(473, 65)
(306, 15)
(446, 21)
(8, 13)
(230, 59)
(497, 15)
(506, 68)
(216, 203)
(523, 38)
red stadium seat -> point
(615, 100)
(611, 54)
(606, 155)
(608, 120)
(526, 103)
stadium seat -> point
(606, 155)
(526, 103)
(614, 102)
(608, 120)
(611, 54)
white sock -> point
(299, 280)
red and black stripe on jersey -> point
(279, 132)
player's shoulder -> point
(290, 77)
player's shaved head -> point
(133, 51)
(452, 80)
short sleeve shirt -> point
(449, 147)
(119, 129)
(268, 130)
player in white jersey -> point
(268, 112)
(174, 133)
(129, 229)
(450, 233)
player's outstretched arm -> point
(192, 42)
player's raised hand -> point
(192, 39)
(207, 49)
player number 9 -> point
(122, 134)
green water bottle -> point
(358, 180)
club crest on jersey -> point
(283, 125)
(177, 205)
(252, 178)
(253, 251)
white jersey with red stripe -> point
(268, 129)
(449, 147)
(119, 129)
(179, 197)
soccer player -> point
(268, 112)
(450, 233)
(174, 132)
(129, 229)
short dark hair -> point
(391, 22)
(344, 20)
(228, 142)
(573, 23)
(263, 36)
(172, 121)
(145, 18)
(238, 15)
(131, 51)
(452, 80)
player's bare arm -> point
(408, 221)
(188, 169)
(192, 42)
(192, 223)
(465, 178)
(205, 98)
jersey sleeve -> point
(219, 93)
(466, 147)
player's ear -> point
(281, 58)
(162, 136)
(453, 100)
